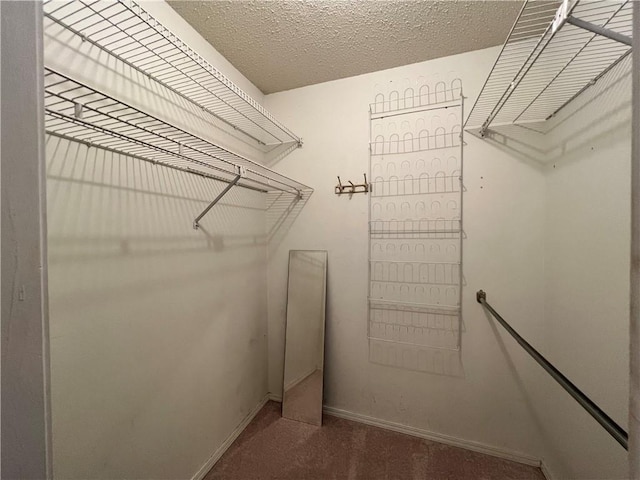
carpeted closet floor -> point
(272, 447)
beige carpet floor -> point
(272, 447)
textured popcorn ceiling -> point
(284, 44)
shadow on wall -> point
(282, 211)
(103, 204)
(142, 305)
(437, 361)
(70, 54)
(106, 205)
(526, 394)
(278, 152)
(570, 133)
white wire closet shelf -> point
(554, 52)
(80, 113)
(126, 31)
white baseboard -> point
(230, 439)
(275, 397)
(436, 437)
(387, 425)
(545, 471)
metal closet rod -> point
(594, 410)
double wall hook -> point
(352, 188)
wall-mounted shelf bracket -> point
(481, 295)
(597, 29)
(241, 173)
(78, 109)
(563, 15)
(351, 188)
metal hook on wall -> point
(352, 188)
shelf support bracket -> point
(605, 32)
(217, 199)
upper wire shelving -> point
(126, 31)
(553, 53)
(79, 112)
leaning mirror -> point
(304, 337)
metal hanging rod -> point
(129, 33)
(86, 115)
(551, 56)
(596, 412)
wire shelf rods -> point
(543, 65)
(77, 111)
(126, 31)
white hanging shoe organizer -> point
(415, 228)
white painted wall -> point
(532, 232)
(158, 331)
(587, 274)
(159, 334)
(504, 219)
(25, 435)
(634, 380)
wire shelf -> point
(438, 273)
(424, 185)
(126, 31)
(76, 111)
(546, 61)
(415, 229)
(409, 143)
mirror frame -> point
(323, 329)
